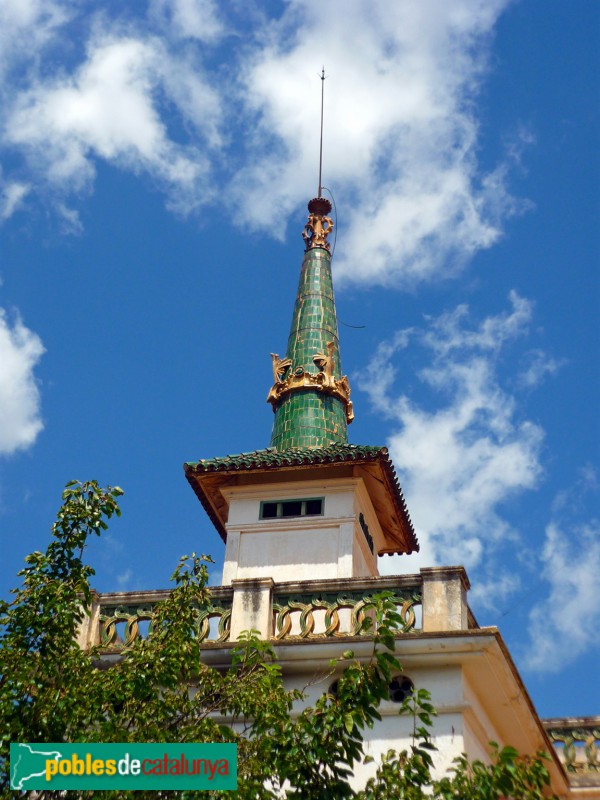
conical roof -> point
(311, 401)
(310, 396)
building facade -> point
(305, 522)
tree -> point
(160, 691)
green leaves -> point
(45, 676)
(508, 775)
(162, 690)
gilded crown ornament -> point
(299, 379)
(319, 225)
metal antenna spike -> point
(322, 76)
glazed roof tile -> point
(271, 459)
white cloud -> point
(26, 26)
(109, 109)
(459, 461)
(70, 223)
(449, 334)
(197, 101)
(20, 351)
(124, 580)
(400, 135)
(538, 367)
(12, 195)
(566, 623)
(190, 19)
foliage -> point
(161, 691)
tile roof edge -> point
(290, 457)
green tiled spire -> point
(310, 395)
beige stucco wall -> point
(331, 545)
(395, 731)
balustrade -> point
(434, 600)
(341, 613)
(122, 620)
(577, 741)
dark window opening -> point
(292, 508)
(365, 530)
(269, 510)
(401, 688)
(312, 507)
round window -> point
(400, 688)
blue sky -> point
(156, 160)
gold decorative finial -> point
(319, 224)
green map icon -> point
(28, 762)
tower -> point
(310, 396)
(311, 505)
(304, 521)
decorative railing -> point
(322, 613)
(121, 624)
(432, 601)
(577, 741)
